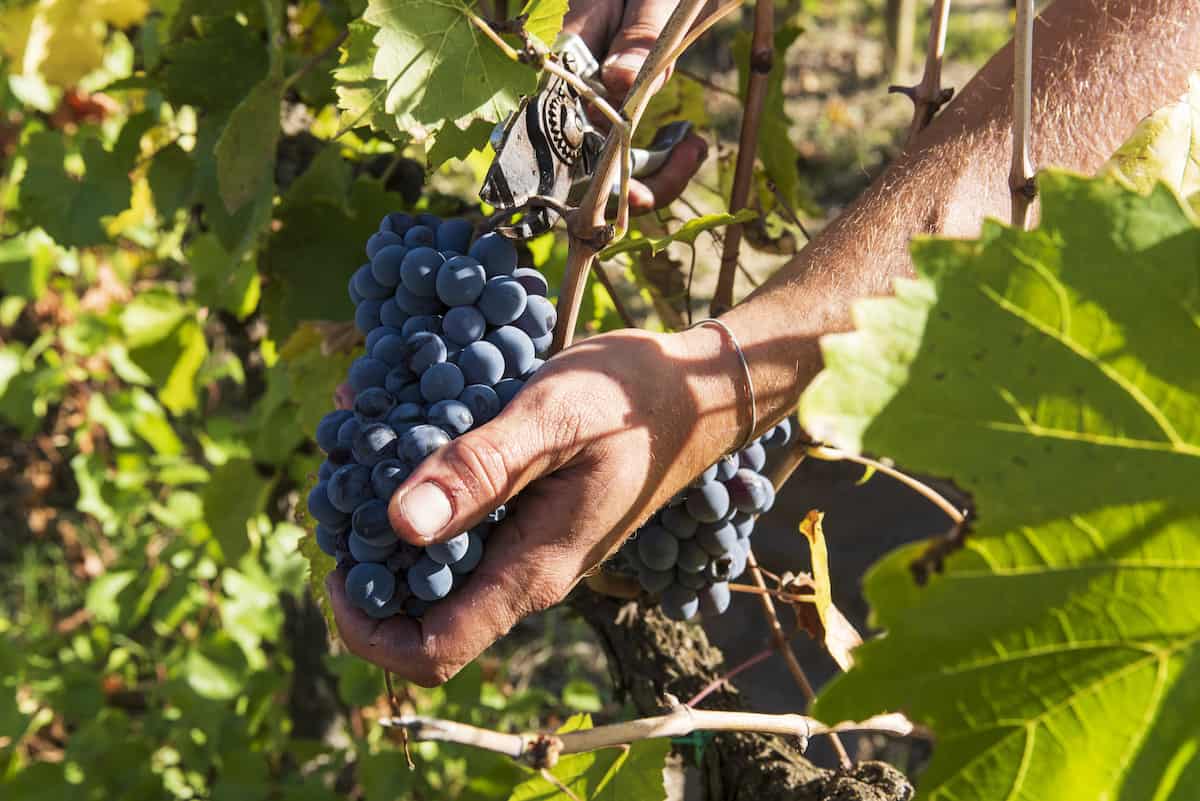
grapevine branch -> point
(928, 95)
(588, 221)
(1021, 176)
(799, 449)
(762, 58)
(541, 750)
(940, 501)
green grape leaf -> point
(71, 210)
(1165, 146)
(222, 282)
(215, 668)
(318, 372)
(317, 245)
(171, 176)
(218, 69)
(150, 317)
(319, 565)
(167, 342)
(775, 148)
(234, 494)
(582, 695)
(686, 233)
(452, 142)
(360, 94)
(682, 98)
(246, 148)
(1052, 374)
(439, 67)
(26, 261)
(544, 19)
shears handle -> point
(649, 160)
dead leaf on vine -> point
(838, 634)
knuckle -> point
(479, 467)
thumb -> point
(461, 482)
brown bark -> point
(651, 657)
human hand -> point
(601, 437)
(620, 34)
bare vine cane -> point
(762, 61)
(541, 750)
(928, 95)
(1021, 175)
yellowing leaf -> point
(1165, 146)
(63, 40)
(840, 638)
(121, 13)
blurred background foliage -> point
(168, 340)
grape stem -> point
(542, 750)
(780, 641)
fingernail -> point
(426, 509)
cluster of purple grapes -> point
(453, 330)
(694, 546)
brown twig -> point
(781, 643)
(762, 60)
(928, 95)
(1021, 176)
(562, 788)
(707, 83)
(720, 681)
(394, 706)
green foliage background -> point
(174, 254)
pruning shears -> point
(547, 146)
